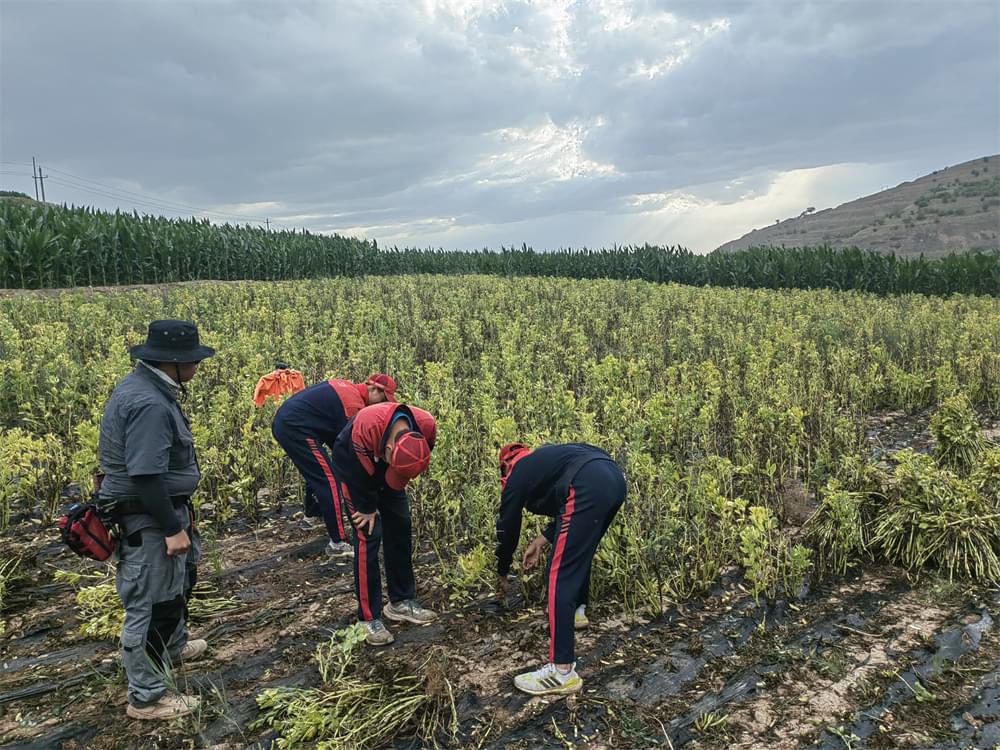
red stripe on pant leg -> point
(362, 558)
(557, 556)
(333, 485)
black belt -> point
(128, 505)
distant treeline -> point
(52, 247)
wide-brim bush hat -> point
(172, 341)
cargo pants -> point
(154, 589)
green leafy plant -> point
(772, 563)
(840, 529)
(934, 519)
(359, 708)
(959, 439)
(470, 572)
(101, 615)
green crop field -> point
(814, 483)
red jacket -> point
(357, 453)
(354, 396)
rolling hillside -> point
(953, 210)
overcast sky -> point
(461, 124)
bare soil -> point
(872, 660)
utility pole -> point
(268, 222)
(41, 179)
(34, 176)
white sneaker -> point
(409, 610)
(194, 649)
(377, 634)
(339, 549)
(167, 707)
(549, 681)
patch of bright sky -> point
(680, 217)
(543, 153)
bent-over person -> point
(581, 488)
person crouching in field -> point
(309, 421)
(150, 472)
(581, 488)
(374, 457)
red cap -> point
(384, 383)
(426, 424)
(509, 455)
(410, 456)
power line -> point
(152, 203)
(145, 201)
(122, 193)
(140, 202)
(160, 201)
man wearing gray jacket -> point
(150, 471)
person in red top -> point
(307, 423)
(581, 488)
(374, 457)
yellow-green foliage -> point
(101, 616)
(99, 611)
(840, 529)
(8, 572)
(710, 398)
(772, 563)
(935, 519)
(470, 572)
(959, 438)
(33, 471)
(358, 707)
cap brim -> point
(394, 479)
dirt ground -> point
(716, 673)
(870, 661)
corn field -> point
(50, 247)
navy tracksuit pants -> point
(307, 450)
(393, 531)
(595, 495)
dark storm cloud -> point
(446, 121)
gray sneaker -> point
(339, 549)
(409, 610)
(377, 634)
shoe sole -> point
(551, 691)
(134, 714)
(380, 643)
(404, 618)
